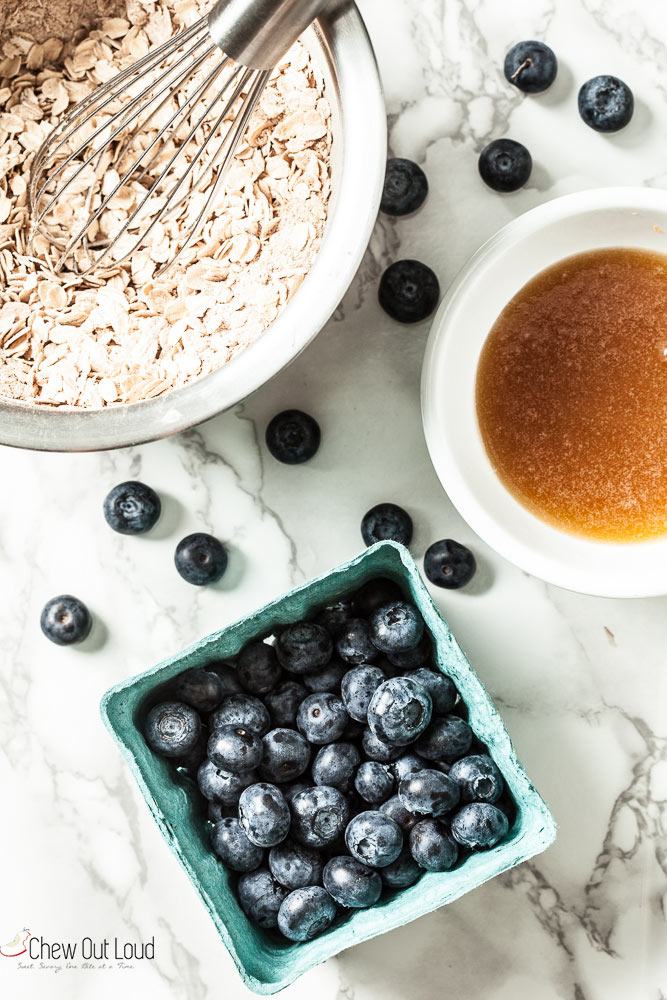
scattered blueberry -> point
(478, 778)
(375, 594)
(258, 668)
(531, 66)
(286, 756)
(374, 782)
(233, 847)
(396, 627)
(351, 883)
(409, 291)
(479, 825)
(306, 913)
(335, 765)
(132, 508)
(353, 642)
(264, 814)
(429, 793)
(374, 838)
(322, 718)
(261, 897)
(400, 710)
(200, 559)
(234, 749)
(201, 688)
(217, 785)
(386, 522)
(432, 847)
(172, 729)
(505, 165)
(377, 749)
(357, 688)
(294, 865)
(304, 647)
(449, 564)
(293, 437)
(606, 103)
(241, 710)
(65, 620)
(405, 187)
(440, 687)
(319, 816)
(327, 678)
(447, 738)
(403, 872)
(284, 701)
(395, 809)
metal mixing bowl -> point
(342, 53)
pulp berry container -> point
(267, 962)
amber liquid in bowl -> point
(572, 395)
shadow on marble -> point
(634, 135)
(562, 90)
(235, 570)
(170, 519)
(96, 639)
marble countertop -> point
(581, 682)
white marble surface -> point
(580, 682)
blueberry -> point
(395, 809)
(375, 594)
(233, 847)
(132, 508)
(191, 761)
(606, 103)
(405, 187)
(241, 710)
(172, 729)
(410, 659)
(216, 811)
(396, 627)
(304, 647)
(374, 838)
(432, 847)
(319, 816)
(258, 668)
(290, 791)
(293, 437)
(284, 701)
(261, 897)
(449, 564)
(264, 814)
(294, 865)
(286, 756)
(327, 678)
(322, 718)
(440, 687)
(357, 688)
(374, 782)
(447, 738)
(531, 66)
(351, 883)
(403, 872)
(478, 778)
(386, 522)
(200, 559)
(479, 825)
(234, 749)
(334, 616)
(306, 913)
(409, 291)
(65, 620)
(429, 793)
(201, 688)
(353, 642)
(400, 710)
(229, 679)
(407, 765)
(335, 765)
(217, 785)
(377, 749)
(505, 165)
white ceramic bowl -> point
(631, 217)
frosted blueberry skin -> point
(405, 187)
(606, 104)
(293, 437)
(440, 687)
(358, 687)
(374, 782)
(335, 765)
(261, 897)
(227, 675)
(429, 793)
(304, 647)
(403, 872)
(353, 643)
(407, 764)
(334, 616)
(319, 816)
(264, 814)
(432, 847)
(241, 710)
(395, 809)
(449, 564)
(286, 756)
(65, 620)
(373, 595)
(446, 739)
(396, 627)
(531, 66)
(258, 668)
(351, 883)
(377, 749)
(305, 913)
(218, 785)
(201, 688)
(327, 678)
(295, 866)
(410, 659)
(479, 825)
(478, 778)
(132, 508)
(374, 838)
(386, 522)
(233, 847)
(235, 749)
(284, 701)
(400, 710)
(172, 729)
(322, 718)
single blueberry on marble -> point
(531, 66)
(65, 620)
(409, 291)
(405, 187)
(606, 103)
(505, 165)
(293, 437)
(449, 564)
(386, 522)
(200, 559)
(132, 508)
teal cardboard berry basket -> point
(267, 963)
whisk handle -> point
(258, 33)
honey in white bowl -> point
(571, 395)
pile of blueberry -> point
(337, 762)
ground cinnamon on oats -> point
(130, 338)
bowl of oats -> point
(112, 361)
